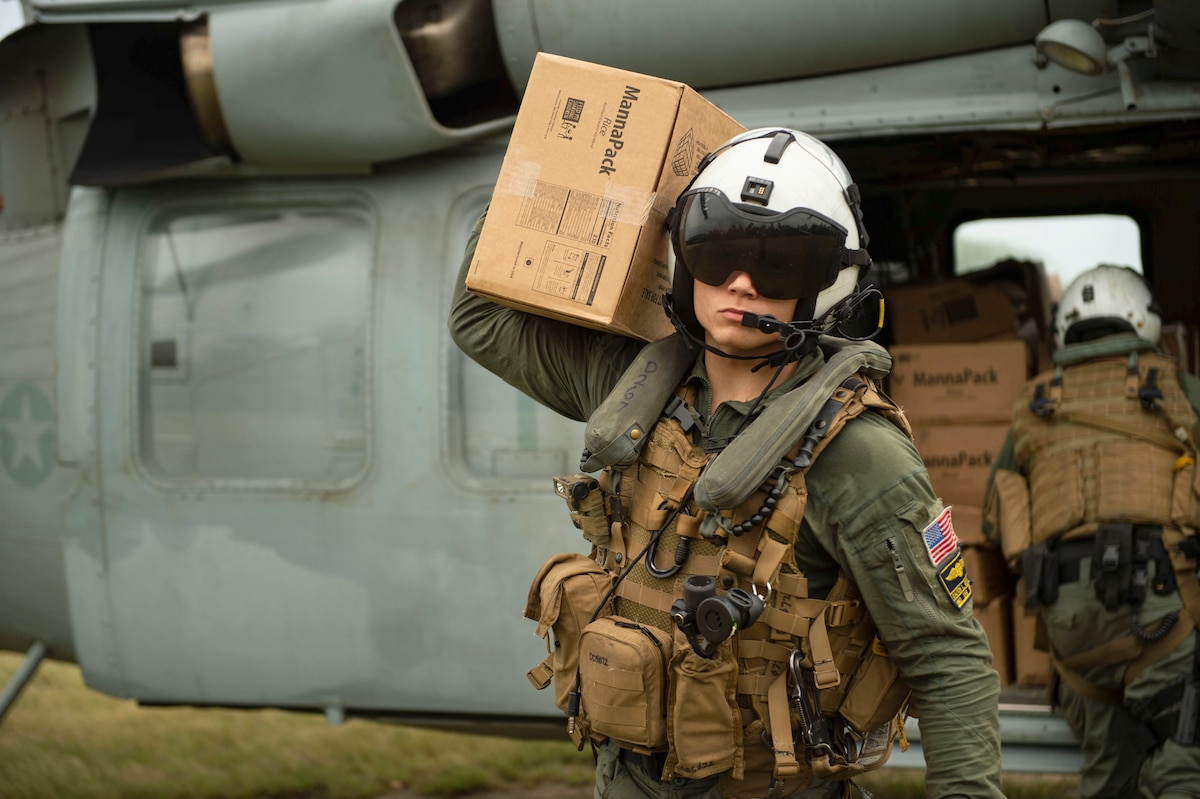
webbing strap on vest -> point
(780, 713)
(1118, 426)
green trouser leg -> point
(1171, 772)
(616, 779)
(1122, 757)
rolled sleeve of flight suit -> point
(869, 501)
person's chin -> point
(746, 342)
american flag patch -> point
(940, 539)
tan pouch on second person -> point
(1011, 494)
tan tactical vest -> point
(1107, 437)
(1096, 452)
(719, 712)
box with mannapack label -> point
(959, 458)
(576, 229)
(973, 382)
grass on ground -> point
(63, 740)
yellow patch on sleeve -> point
(955, 580)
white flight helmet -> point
(1103, 300)
(780, 205)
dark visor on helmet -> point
(790, 255)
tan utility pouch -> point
(1011, 494)
(876, 693)
(585, 502)
(1056, 494)
(706, 724)
(564, 595)
(623, 686)
(1133, 480)
(871, 692)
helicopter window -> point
(254, 344)
(495, 433)
(1064, 245)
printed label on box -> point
(569, 213)
(570, 273)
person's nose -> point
(741, 283)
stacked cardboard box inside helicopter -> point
(963, 349)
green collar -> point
(1116, 344)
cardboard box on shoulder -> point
(944, 383)
(576, 229)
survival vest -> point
(676, 513)
(1107, 443)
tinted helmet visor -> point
(790, 255)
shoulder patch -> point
(955, 580)
(940, 540)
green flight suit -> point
(869, 500)
(1123, 758)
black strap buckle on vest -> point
(1149, 392)
(820, 425)
(1040, 405)
(1120, 564)
(1112, 563)
(1040, 569)
(677, 409)
(1189, 714)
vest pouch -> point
(871, 691)
(1010, 492)
(623, 682)
(585, 502)
(562, 599)
(1134, 481)
(706, 725)
(877, 692)
(1056, 494)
